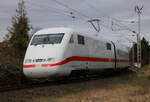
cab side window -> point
(108, 45)
(71, 41)
(81, 40)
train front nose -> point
(39, 72)
(38, 62)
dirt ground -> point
(119, 88)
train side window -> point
(108, 46)
(71, 40)
(81, 40)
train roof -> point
(68, 30)
(54, 30)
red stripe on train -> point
(76, 58)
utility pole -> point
(133, 54)
(138, 10)
(133, 57)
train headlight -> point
(50, 59)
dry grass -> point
(121, 88)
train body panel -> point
(59, 51)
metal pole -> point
(139, 37)
(140, 50)
(137, 50)
(133, 54)
(139, 54)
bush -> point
(10, 66)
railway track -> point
(102, 75)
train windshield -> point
(47, 39)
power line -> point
(66, 6)
(124, 27)
(57, 11)
(48, 8)
(72, 15)
(94, 8)
(91, 6)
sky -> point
(50, 13)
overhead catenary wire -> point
(66, 13)
(73, 15)
(48, 8)
(102, 22)
(95, 9)
(61, 12)
(122, 25)
(91, 6)
(74, 10)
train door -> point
(115, 55)
(71, 52)
(71, 44)
(87, 52)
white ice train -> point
(58, 52)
